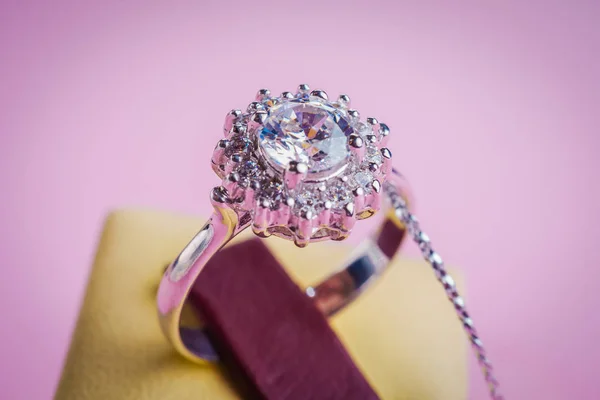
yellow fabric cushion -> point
(402, 333)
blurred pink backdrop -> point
(494, 110)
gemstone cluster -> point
(302, 167)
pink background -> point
(494, 111)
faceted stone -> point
(363, 179)
(374, 155)
(364, 129)
(239, 145)
(307, 131)
(338, 194)
(248, 170)
(272, 191)
(308, 201)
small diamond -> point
(238, 146)
(239, 128)
(255, 106)
(363, 179)
(247, 170)
(308, 201)
(364, 129)
(273, 192)
(373, 155)
(338, 194)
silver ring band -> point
(330, 295)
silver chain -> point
(434, 259)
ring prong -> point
(219, 196)
(344, 100)
(272, 102)
(236, 130)
(359, 199)
(294, 174)
(236, 158)
(218, 157)
(257, 119)
(321, 94)
(354, 115)
(357, 146)
(219, 169)
(348, 219)
(373, 122)
(324, 216)
(303, 89)
(281, 216)
(230, 119)
(386, 157)
(255, 106)
(231, 183)
(263, 94)
(384, 133)
(260, 223)
(304, 231)
(376, 186)
(250, 194)
(374, 201)
(233, 162)
(373, 167)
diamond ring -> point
(304, 168)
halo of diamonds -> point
(293, 203)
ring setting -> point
(302, 167)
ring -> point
(303, 168)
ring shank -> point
(330, 295)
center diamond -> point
(306, 131)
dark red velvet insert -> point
(269, 332)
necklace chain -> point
(436, 262)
